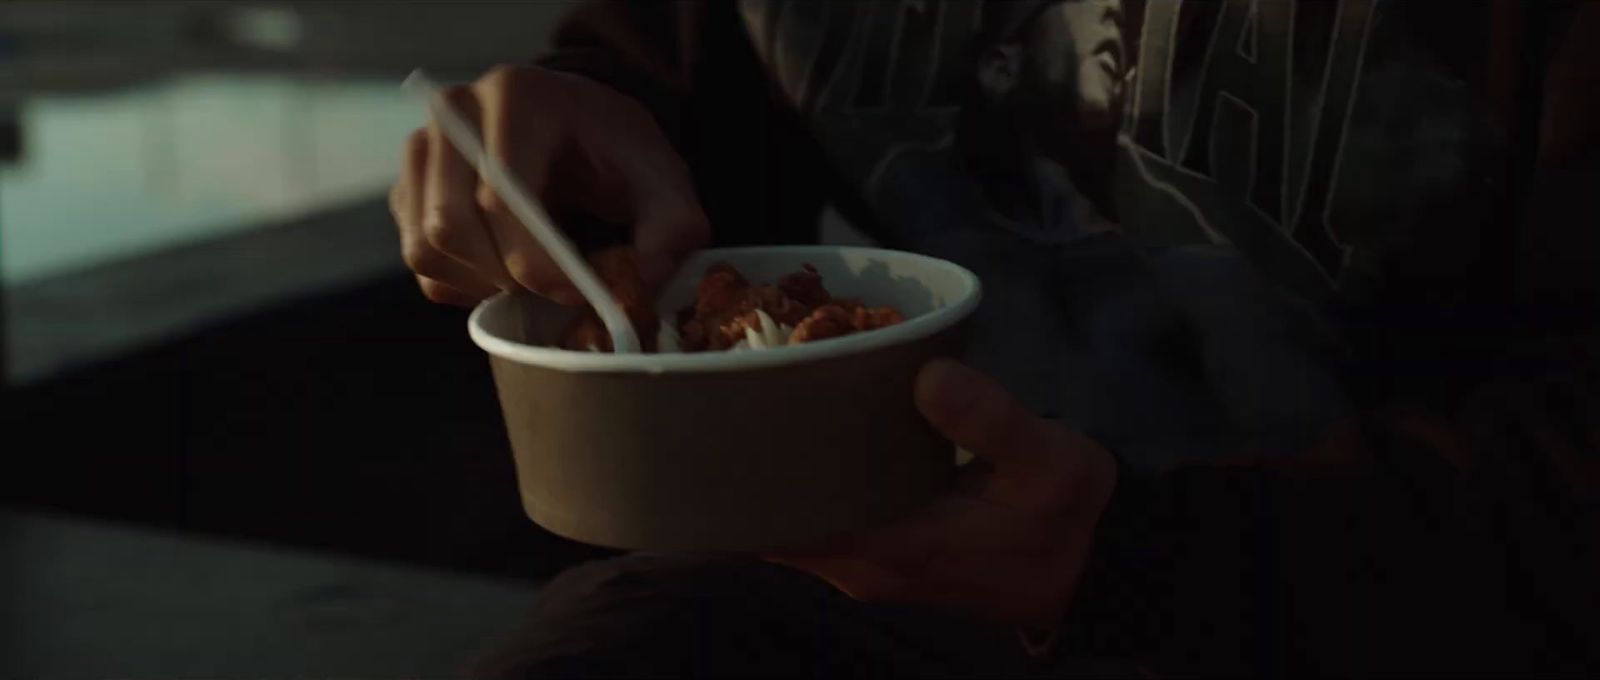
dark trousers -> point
(650, 616)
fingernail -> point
(948, 387)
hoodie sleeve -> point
(1459, 532)
(1453, 546)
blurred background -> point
(237, 440)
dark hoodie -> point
(1324, 286)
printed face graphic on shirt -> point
(1306, 134)
(978, 131)
(1059, 72)
(1076, 50)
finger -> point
(446, 294)
(405, 202)
(405, 197)
(618, 267)
(528, 142)
(427, 262)
(668, 222)
(667, 230)
(519, 132)
(657, 195)
(976, 414)
(451, 221)
(524, 261)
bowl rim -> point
(910, 330)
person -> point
(1272, 178)
(1026, 162)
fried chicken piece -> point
(727, 327)
(694, 336)
(782, 307)
(805, 287)
(724, 334)
(866, 319)
(847, 304)
(843, 318)
(827, 321)
(618, 269)
(725, 306)
(587, 334)
(720, 291)
(733, 330)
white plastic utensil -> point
(464, 137)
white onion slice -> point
(771, 335)
(667, 339)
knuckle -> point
(435, 291)
(417, 255)
(521, 272)
(528, 271)
(491, 203)
(443, 227)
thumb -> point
(665, 234)
(977, 414)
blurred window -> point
(121, 174)
(164, 166)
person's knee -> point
(643, 614)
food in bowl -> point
(651, 451)
(616, 267)
(731, 314)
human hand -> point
(581, 147)
(1011, 543)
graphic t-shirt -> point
(1166, 201)
(1217, 227)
